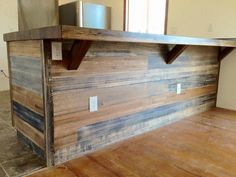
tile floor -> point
(15, 159)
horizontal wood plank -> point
(33, 134)
(134, 86)
(29, 99)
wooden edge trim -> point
(224, 52)
(166, 17)
(10, 83)
(53, 32)
(78, 52)
(77, 33)
(175, 53)
(48, 103)
(125, 15)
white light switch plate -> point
(56, 51)
(93, 104)
(179, 89)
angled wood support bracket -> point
(174, 53)
(224, 52)
(78, 52)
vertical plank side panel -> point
(10, 83)
(25, 65)
(47, 97)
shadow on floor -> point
(15, 158)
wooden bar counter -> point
(133, 75)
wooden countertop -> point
(77, 33)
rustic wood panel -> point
(77, 33)
(98, 135)
(69, 123)
(136, 92)
(29, 99)
(33, 134)
(35, 120)
(27, 73)
(25, 49)
(30, 144)
(27, 93)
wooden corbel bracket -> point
(78, 52)
(175, 53)
(224, 52)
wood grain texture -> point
(136, 92)
(48, 104)
(76, 33)
(25, 49)
(27, 73)
(32, 134)
(35, 120)
(52, 32)
(201, 145)
(29, 99)
(27, 93)
(136, 89)
(30, 144)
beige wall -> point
(209, 18)
(117, 10)
(8, 20)
(227, 83)
(202, 18)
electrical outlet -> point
(93, 104)
(179, 89)
(56, 51)
(210, 28)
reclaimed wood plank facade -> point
(27, 93)
(136, 92)
(128, 73)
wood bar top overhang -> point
(77, 33)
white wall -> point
(8, 21)
(209, 18)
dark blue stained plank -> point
(103, 129)
(32, 118)
(36, 149)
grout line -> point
(4, 170)
(37, 170)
